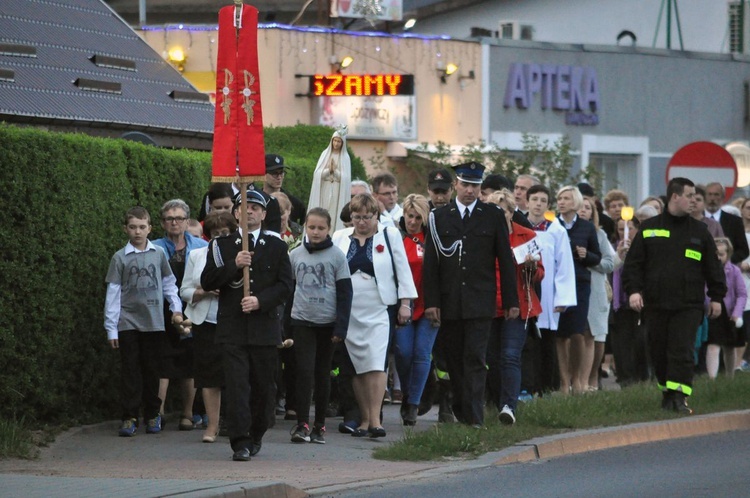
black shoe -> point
(360, 433)
(376, 432)
(409, 416)
(241, 455)
(680, 404)
(667, 401)
(255, 448)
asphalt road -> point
(706, 466)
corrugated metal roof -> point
(66, 35)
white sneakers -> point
(506, 416)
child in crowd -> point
(724, 332)
(320, 317)
(138, 280)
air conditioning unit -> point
(514, 30)
(739, 35)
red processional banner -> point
(238, 151)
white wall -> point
(704, 22)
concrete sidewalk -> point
(92, 461)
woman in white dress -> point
(332, 178)
(374, 252)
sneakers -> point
(300, 433)
(153, 426)
(128, 428)
(348, 427)
(744, 366)
(198, 421)
(506, 416)
(398, 397)
(317, 435)
(525, 397)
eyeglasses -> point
(174, 219)
(357, 218)
(276, 173)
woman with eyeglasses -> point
(380, 277)
(178, 349)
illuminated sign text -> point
(361, 85)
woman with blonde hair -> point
(414, 339)
(586, 254)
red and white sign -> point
(704, 163)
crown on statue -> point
(342, 130)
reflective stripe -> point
(335, 372)
(682, 388)
(696, 255)
(656, 232)
(661, 387)
(442, 375)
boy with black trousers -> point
(138, 280)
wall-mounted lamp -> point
(410, 24)
(446, 71)
(338, 65)
(176, 56)
(469, 76)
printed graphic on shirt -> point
(314, 282)
(142, 285)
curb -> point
(615, 437)
(247, 490)
(574, 443)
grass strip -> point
(557, 414)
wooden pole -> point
(243, 185)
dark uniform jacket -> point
(734, 229)
(671, 262)
(467, 290)
(270, 281)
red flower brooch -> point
(379, 247)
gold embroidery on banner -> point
(246, 94)
(226, 103)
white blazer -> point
(381, 261)
(196, 312)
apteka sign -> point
(573, 89)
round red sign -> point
(704, 163)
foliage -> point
(551, 163)
(64, 196)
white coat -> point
(381, 261)
(559, 283)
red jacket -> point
(529, 301)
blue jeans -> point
(504, 361)
(414, 343)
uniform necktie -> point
(467, 214)
(250, 242)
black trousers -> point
(314, 354)
(250, 391)
(539, 372)
(140, 355)
(671, 337)
(465, 345)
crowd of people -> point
(477, 294)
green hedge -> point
(63, 199)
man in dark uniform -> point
(670, 263)
(275, 171)
(249, 328)
(439, 187)
(464, 241)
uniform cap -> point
(440, 178)
(274, 162)
(470, 172)
(252, 196)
